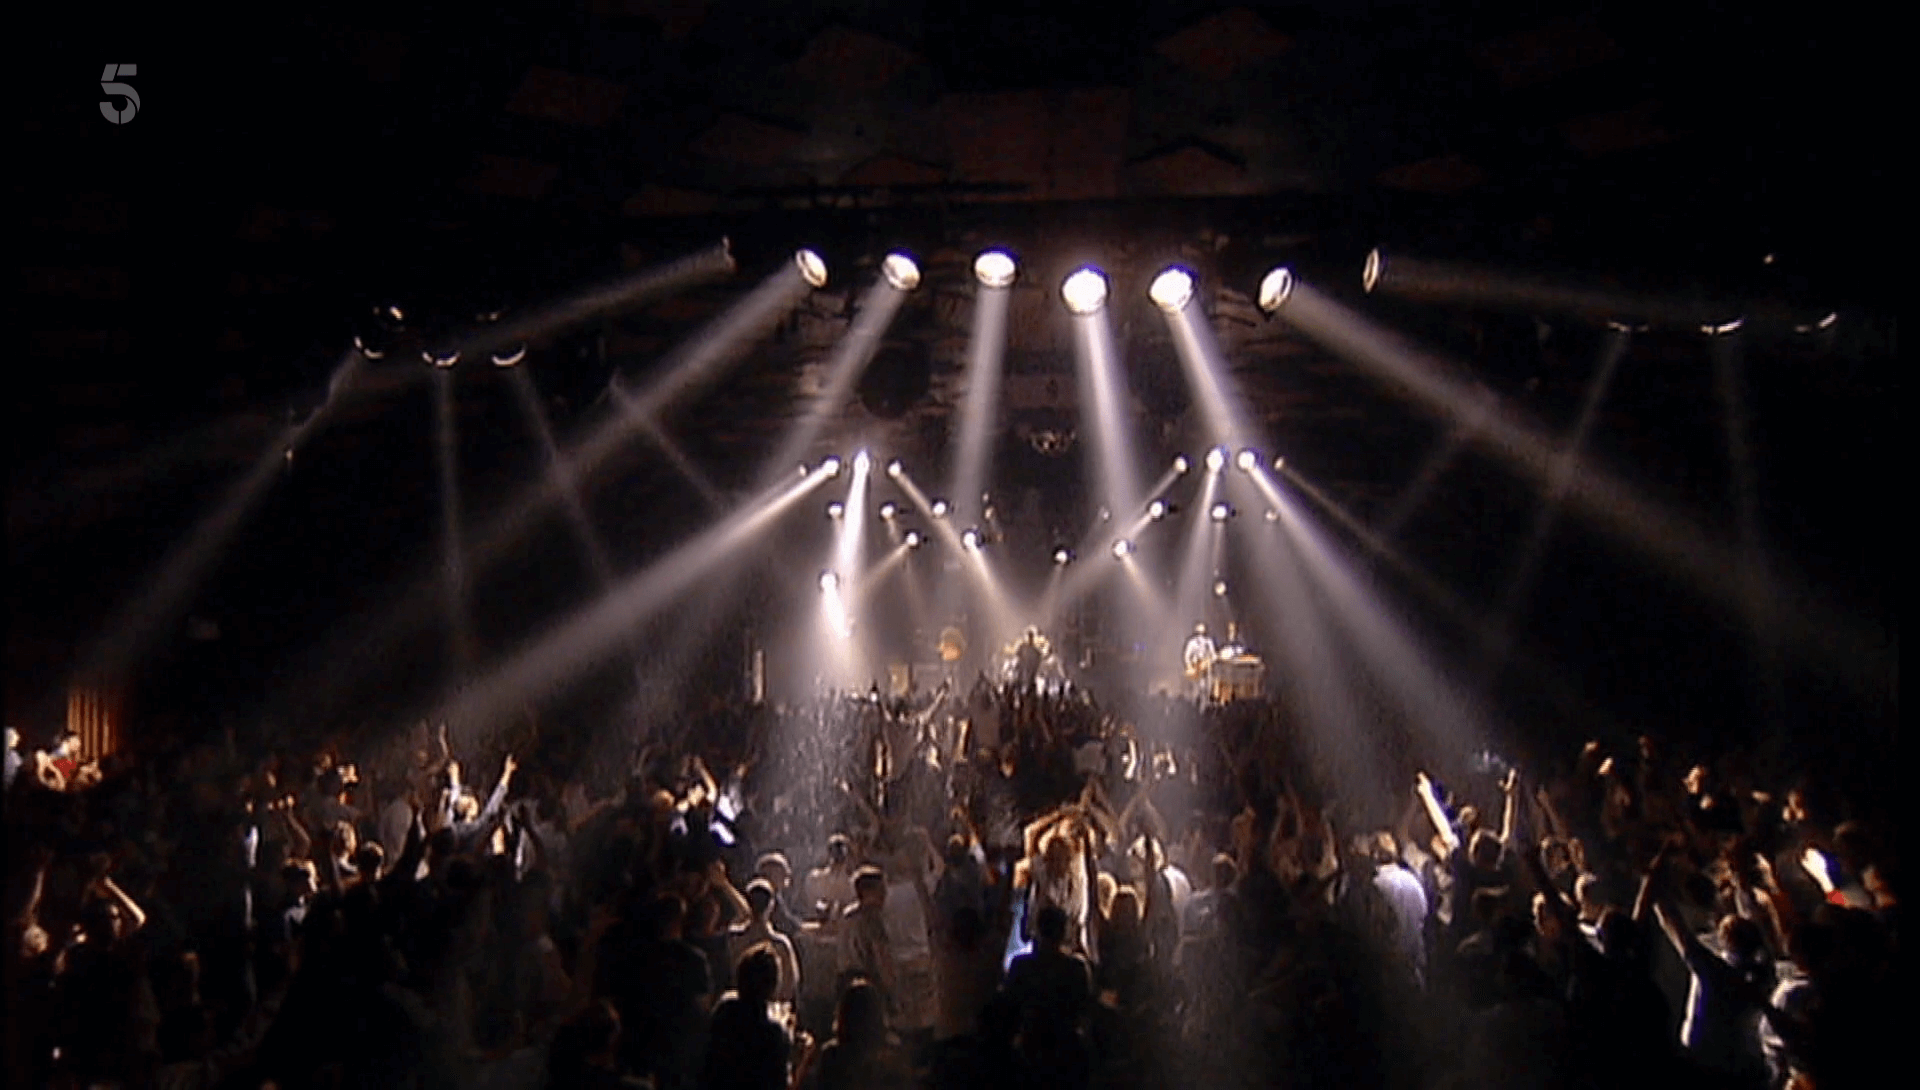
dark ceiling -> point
(193, 276)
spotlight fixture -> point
(836, 509)
(368, 347)
(813, 267)
(1370, 275)
(894, 468)
(1172, 290)
(509, 357)
(913, 539)
(995, 268)
(442, 359)
(1106, 515)
(831, 467)
(901, 271)
(1216, 459)
(1828, 322)
(1247, 460)
(1221, 512)
(1085, 292)
(829, 582)
(1279, 462)
(1272, 515)
(1157, 510)
(1122, 549)
(939, 509)
(1219, 588)
(1063, 556)
(1180, 463)
(970, 539)
(1275, 288)
(862, 462)
(1723, 329)
(888, 510)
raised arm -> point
(1510, 788)
(1435, 813)
(1649, 879)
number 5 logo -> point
(126, 91)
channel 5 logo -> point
(110, 83)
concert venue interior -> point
(1209, 469)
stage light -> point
(901, 271)
(1063, 555)
(1274, 289)
(1219, 588)
(1157, 510)
(1180, 463)
(1122, 549)
(836, 509)
(1247, 460)
(813, 267)
(1172, 290)
(1272, 515)
(829, 582)
(1723, 329)
(1221, 512)
(394, 314)
(1370, 275)
(888, 511)
(939, 509)
(913, 539)
(1085, 291)
(1279, 462)
(510, 357)
(1216, 459)
(995, 268)
(970, 539)
(831, 467)
(988, 514)
(862, 462)
(894, 468)
(1106, 515)
(367, 347)
(442, 359)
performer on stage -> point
(1199, 658)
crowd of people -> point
(996, 886)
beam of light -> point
(849, 360)
(1196, 564)
(1107, 415)
(995, 269)
(623, 293)
(986, 348)
(1427, 699)
(453, 557)
(650, 429)
(132, 632)
(1608, 503)
(590, 544)
(1763, 613)
(578, 643)
(1534, 294)
(849, 548)
(339, 663)
(1513, 601)
(992, 595)
(1460, 433)
(1210, 378)
(1455, 608)
(1341, 744)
